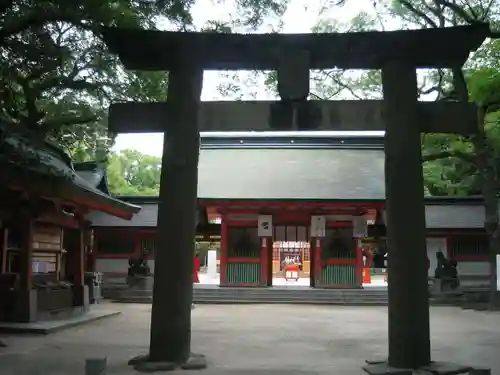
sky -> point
(300, 17)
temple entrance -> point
(291, 256)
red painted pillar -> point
(90, 247)
(224, 237)
(5, 234)
(26, 253)
(449, 246)
(318, 268)
(90, 262)
(75, 257)
(137, 244)
(79, 258)
(359, 263)
(264, 259)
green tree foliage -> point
(57, 76)
(452, 166)
(133, 173)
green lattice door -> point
(338, 259)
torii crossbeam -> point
(397, 53)
(432, 117)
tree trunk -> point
(490, 202)
(488, 181)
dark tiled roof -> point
(285, 171)
(24, 162)
(291, 174)
(94, 173)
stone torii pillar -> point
(409, 336)
(398, 54)
(170, 337)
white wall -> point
(116, 265)
(435, 244)
(473, 268)
(111, 265)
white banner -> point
(359, 227)
(318, 226)
(265, 226)
(498, 272)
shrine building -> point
(294, 181)
(45, 240)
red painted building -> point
(44, 237)
(292, 178)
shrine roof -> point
(293, 172)
(45, 170)
(156, 50)
(317, 167)
(94, 173)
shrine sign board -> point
(318, 226)
(265, 226)
(359, 227)
(498, 272)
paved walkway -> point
(257, 339)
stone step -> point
(217, 295)
(278, 301)
(290, 302)
(223, 295)
(291, 299)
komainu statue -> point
(138, 268)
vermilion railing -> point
(243, 271)
(339, 273)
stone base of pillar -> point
(143, 364)
(382, 367)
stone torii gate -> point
(398, 54)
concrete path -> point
(257, 339)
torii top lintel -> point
(427, 48)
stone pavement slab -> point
(257, 340)
(46, 327)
